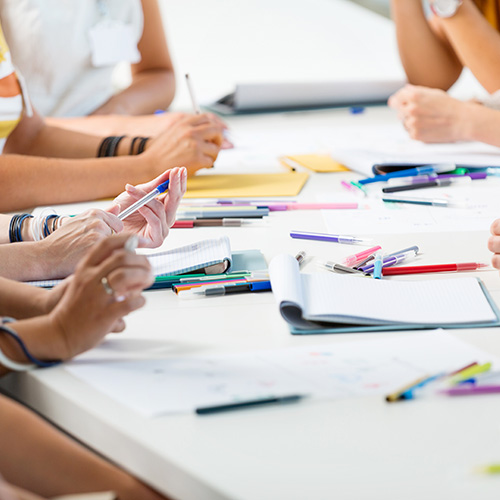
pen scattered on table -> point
(341, 269)
(425, 178)
(424, 185)
(377, 266)
(218, 290)
(224, 222)
(301, 258)
(351, 260)
(437, 268)
(247, 404)
(335, 238)
(434, 202)
(410, 172)
(389, 260)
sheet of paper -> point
(351, 369)
(431, 302)
(246, 185)
(479, 198)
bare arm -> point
(153, 79)
(475, 42)
(427, 57)
(58, 465)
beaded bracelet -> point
(16, 225)
(22, 345)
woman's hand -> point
(153, 221)
(494, 243)
(64, 248)
(193, 141)
(431, 115)
(106, 286)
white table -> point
(345, 449)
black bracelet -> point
(103, 147)
(113, 145)
(132, 145)
(109, 146)
(15, 227)
(142, 145)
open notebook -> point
(325, 302)
(211, 256)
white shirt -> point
(49, 43)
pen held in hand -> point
(144, 200)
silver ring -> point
(107, 287)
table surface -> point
(352, 448)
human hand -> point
(430, 115)
(193, 141)
(153, 221)
(494, 243)
(61, 251)
(87, 311)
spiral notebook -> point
(211, 256)
(325, 302)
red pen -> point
(438, 268)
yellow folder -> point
(316, 163)
(246, 185)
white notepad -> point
(196, 256)
(307, 300)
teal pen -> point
(377, 266)
(238, 405)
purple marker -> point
(472, 390)
(335, 238)
(388, 261)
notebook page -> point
(285, 278)
(445, 301)
(191, 257)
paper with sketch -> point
(307, 300)
(352, 369)
(479, 206)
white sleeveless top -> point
(49, 42)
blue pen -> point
(387, 261)
(377, 266)
(411, 172)
(408, 394)
(145, 199)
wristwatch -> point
(445, 8)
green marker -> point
(490, 469)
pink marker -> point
(358, 257)
(310, 206)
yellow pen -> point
(490, 469)
(469, 373)
(395, 396)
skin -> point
(432, 116)
(36, 457)
(59, 166)
(494, 244)
(57, 255)
(435, 51)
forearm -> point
(481, 124)
(20, 301)
(149, 91)
(23, 262)
(58, 465)
(31, 181)
(476, 43)
(427, 60)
